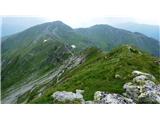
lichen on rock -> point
(108, 98)
(142, 89)
(138, 73)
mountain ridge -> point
(40, 56)
(149, 30)
(102, 36)
(102, 72)
(107, 37)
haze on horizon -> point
(14, 24)
(78, 23)
(82, 13)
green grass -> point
(36, 59)
(98, 72)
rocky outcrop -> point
(131, 49)
(68, 97)
(146, 75)
(157, 62)
(107, 98)
(142, 89)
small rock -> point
(89, 102)
(40, 94)
(68, 96)
(117, 76)
(131, 49)
(108, 98)
(97, 96)
(157, 62)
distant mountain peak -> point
(57, 22)
(50, 26)
(101, 26)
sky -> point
(84, 13)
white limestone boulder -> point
(143, 89)
(108, 98)
(64, 96)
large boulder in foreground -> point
(142, 89)
(68, 97)
(108, 98)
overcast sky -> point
(81, 13)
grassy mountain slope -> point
(99, 71)
(52, 30)
(107, 37)
(149, 30)
(33, 61)
(102, 36)
(37, 50)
